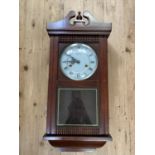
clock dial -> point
(78, 61)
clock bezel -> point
(77, 44)
(61, 48)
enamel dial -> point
(78, 61)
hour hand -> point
(68, 61)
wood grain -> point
(34, 62)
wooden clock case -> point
(78, 29)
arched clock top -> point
(78, 24)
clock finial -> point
(79, 17)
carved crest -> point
(79, 24)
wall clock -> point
(77, 109)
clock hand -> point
(67, 61)
(74, 60)
(70, 63)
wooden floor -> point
(34, 61)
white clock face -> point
(78, 61)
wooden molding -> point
(79, 25)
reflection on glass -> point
(77, 107)
(77, 111)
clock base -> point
(77, 143)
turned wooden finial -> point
(79, 17)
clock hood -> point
(79, 25)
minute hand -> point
(74, 60)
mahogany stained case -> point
(77, 111)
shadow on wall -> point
(114, 63)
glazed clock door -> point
(77, 104)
